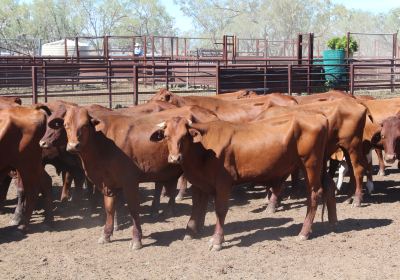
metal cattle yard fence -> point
(109, 78)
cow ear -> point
(167, 97)
(44, 108)
(56, 123)
(157, 135)
(94, 121)
(196, 135)
(376, 138)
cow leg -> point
(199, 210)
(182, 186)
(221, 208)
(170, 188)
(67, 181)
(155, 206)
(273, 200)
(4, 186)
(131, 194)
(370, 183)
(118, 210)
(381, 162)
(314, 187)
(359, 165)
(31, 185)
(45, 184)
(17, 218)
(343, 169)
(329, 197)
(109, 207)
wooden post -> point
(34, 85)
(348, 45)
(162, 47)
(135, 85)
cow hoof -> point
(356, 203)
(135, 245)
(187, 237)
(104, 239)
(14, 222)
(155, 215)
(370, 187)
(302, 237)
(215, 247)
(117, 228)
(22, 228)
(349, 200)
(179, 197)
(271, 209)
(381, 173)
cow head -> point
(164, 95)
(55, 133)
(177, 132)
(78, 125)
(389, 137)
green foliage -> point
(340, 43)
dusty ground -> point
(258, 246)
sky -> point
(184, 23)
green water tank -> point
(335, 70)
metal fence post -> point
(135, 85)
(217, 78)
(44, 73)
(290, 79)
(167, 76)
(109, 84)
(77, 49)
(299, 49)
(352, 79)
(34, 85)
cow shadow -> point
(319, 229)
(165, 238)
(11, 234)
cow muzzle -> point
(73, 147)
(177, 159)
(390, 158)
(43, 144)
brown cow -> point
(56, 137)
(217, 155)
(346, 119)
(120, 156)
(233, 111)
(20, 131)
(389, 138)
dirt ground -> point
(366, 244)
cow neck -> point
(97, 147)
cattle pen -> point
(115, 76)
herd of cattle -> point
(213, 142)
